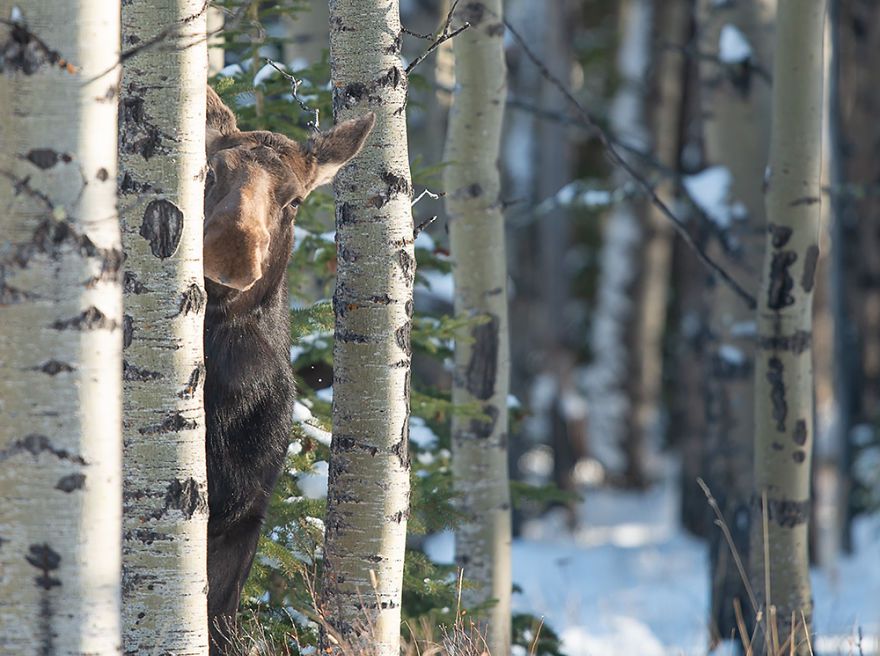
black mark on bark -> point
(482, 368)
(811, 259)
(396, 184)
(806, 200)
(781, 283)
(403, 335)
(90, 319)
(482, 428)
(473, 13)
(799, 456)
(775, 377)
(784, 512)
(47, 560)
(130, 372)
(45, 158)
(132, 285)
(127, 330)
(138, 134)
(23, 51)
(192, 386)
(349, 337)
(54, 367)
(37, 444)
(191, 301)
(130, 185)
(797, 343)
(171, 424)
(779, 235)
(800, 432)
(71, 482)
(186, 497)
(162, 227)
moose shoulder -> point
(255, 183)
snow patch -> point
(313, 484)
(710, 190)
(733, 46)
(420, 433)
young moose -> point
(255, 183)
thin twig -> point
(442, 38)
(713, 503)
(424, 224)
(294, 91)
(618, 160)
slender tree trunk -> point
(60, 329)
(735, 102)
(216, 51)
(672, 27)
(856, 239)
(482, 360)
(783, 374)
(368, 498)
(161, 183)
(610, 380)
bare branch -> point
(294, 91)
(442, 38)
(618, 160)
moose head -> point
(255, 183)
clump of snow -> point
(265, 73)
(303, 416)
(744, 329)
(16, 15)
(420, 433)
(229, 71)
(710, 190)
(424, 240)
(732, 355)
(513, 402)
(438, 284)
(733, 46)
(313, 484)
(325, 394)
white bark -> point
(610, 375)
(482, 360)
(783, 375)
(368, 498)
(60, 329)
(161, 183)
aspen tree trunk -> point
(60, 329)
(735, 102)
(610, 375)
(482, 359)
(216, 52)
(368, 497)
(856, 240)
(161, 184)
(672, 26)
(783, 373)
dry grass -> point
(772, 625)
(465, 637)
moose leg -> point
(230, 555)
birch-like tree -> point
(783, 371)
(161, 186)
(368, 496)
(610, 381)
(482, 360)
(60, 329)
(735, 106)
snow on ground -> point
(630, 581)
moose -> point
(256, 180)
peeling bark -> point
(369, 462)
(165, 508)
(61, 337)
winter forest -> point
(439, 327)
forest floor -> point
(631, 581)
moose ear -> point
(219, 121)
(335, 148)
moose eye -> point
(295, 203)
